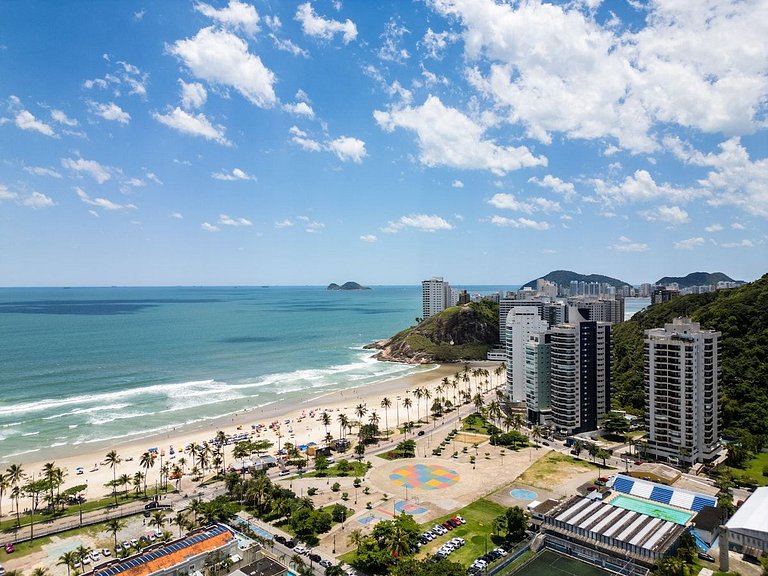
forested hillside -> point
(741, 314)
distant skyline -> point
(303, 143)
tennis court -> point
(549, 563)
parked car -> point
(420, 433)
(325, 563)
(106, 552)
(9, 548)
(705, 556)
(314, 557)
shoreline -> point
(301, 429)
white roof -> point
(752, 517)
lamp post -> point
(334, 543)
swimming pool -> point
(652, 509)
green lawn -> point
(478, 531)
(754, 469)
(354, 469)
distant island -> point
(565, 277)
(695, 279)
(347, 286)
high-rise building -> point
(580, 372)
(510, 301)
(522, 322)
(603, 309)
(660, 294)
(435, 296)
(682, 374)
(537, 383)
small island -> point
(347, 286)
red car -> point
(9, 548)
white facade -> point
(435, 296)
(522, 323)
(748, 527)
(682, 373)
(538, 364)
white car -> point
(95, 556)
(106, 551)
(300, 549)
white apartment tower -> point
(538, 364)
(522, 323)
(435, 296)
(682, 374)
(580, 372)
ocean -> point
(85, 365)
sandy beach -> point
(301, 429)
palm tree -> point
(427, 396)
(15, 495)
(398, 542)
(68, 559)
(146, 462)
(181, 521)
(386, 403)
(343, 423)
(325, 418)
(221, 440)
(360, 411)
(356, 538)
(419, 394)
(407, 403)
(82, 552)
(479, 403)
(4, 485)
(113, 460)
(114, 526)
(40, 572)
(49, 474)
(158, 519)
(138, 477)
(15, 475)
(536, 434)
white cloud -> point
(229, 221)
(671, 214)
(208, 227)
(742, 244)
(289, 46)
(37, 200)
(348, 148)
(237, 16)
(101, 202)
(90, 167)
(369, 238)
(110, 111)
(139, 15)
(627, 245)
(693, 65)
(153, 177)
(42, 171)
(690, 243)
(300, 109)
(504, 222)
(283, 224)
(236, 174)
(6, 194)
(449, 138)
(177, 215)
(319, 27)
(457, 184)
(737, 226)
(313, 226)
(193, 95)
(423, 222)
(435, 43)
(509, 202)
(62, 118)
(301, 138)
(391, 50)
(220, 57)
(197, 125)
(714, 228)
(554, 183)
(27, 121)
(641, 187)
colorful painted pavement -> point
(424, 476)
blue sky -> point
(157, 143)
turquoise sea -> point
(86, 365)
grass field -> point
(478, 531)
(754, 469)
(555, 467)
(549, 563)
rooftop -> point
(752, 516)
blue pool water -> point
(652, 509)
(523, 494)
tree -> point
(146, 461)
(602, 455)
(158, 519)
(407, 403)
(356, 538)
(343, 420)
(386, 403)
(113, 460)
(114, 526)
(419, 394)
(360, 411)
(326, 420)
(577, 447)
(5, 483)
(68, 559)
(221, 442)
(513, 522)
(321, 464)
(615, 424)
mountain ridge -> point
(565, 277)
(695, 279)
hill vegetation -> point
(695, 279)
(565, 277)
(347, 286)
(458, 333)
(741, 315)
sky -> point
(277, 142)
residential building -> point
(510, 301)
(522, 322)
(661, 294)
(580, 372)
(435, 296)
(601, 309)
(682, 374)
(537, 384)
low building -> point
(195, 552)
(747, 530)
(263, 566)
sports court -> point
(424, 476)
(549, 563)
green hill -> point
(695, 279)
(565, 277)
(741, 315)
(458, 333)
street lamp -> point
(334, 543)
